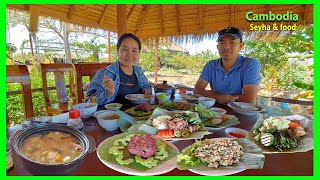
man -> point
(232, 77)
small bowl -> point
(209, 102)
(219, 110)
(167, 96)
(113, 106)
(238, 131)
(109, 120)
(86, 109)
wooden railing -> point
(10, 93)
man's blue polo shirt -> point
(245, 71)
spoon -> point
(126, 84)
(234, 105)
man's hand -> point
(225, 98)
(108, 84)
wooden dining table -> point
(289, 164)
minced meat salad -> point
(219, 153)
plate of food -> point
(169, 125)
(138, 154)
(280, 135)
(219, 110)
(183, 106)
(142, 110)
(139, 98)
(190, 97)
(220, 156)
(213, 120)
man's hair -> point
(125, 36)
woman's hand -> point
(109, 85)
(145, 91)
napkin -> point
(61, 118)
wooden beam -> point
(232, 23)
(161, 19)
(200, 9)
(142, 19)
(178, 18)
(103, 14)
(121, 19)
(130, 12)
(73, 7)
(34, 18)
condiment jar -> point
(74, 119)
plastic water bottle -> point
(74, 119)
(284, 105)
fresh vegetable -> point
(285, 139)
(293, 125)
(256, 132)
(267, 139)
(257, 137)
(236, 135)
(166, 133)
(177, 133)
(280, 124)
(272, 130)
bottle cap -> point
(73, 114)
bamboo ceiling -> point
(148, 21)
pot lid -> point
(164, 85)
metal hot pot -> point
(165, 88)
(87, 142)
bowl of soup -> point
(86, 109)
(50, 149)
(109, 120)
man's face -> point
(128, 52)
(229, 47)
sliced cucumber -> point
(267, 139)
(256, 131)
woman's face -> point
(128, 53)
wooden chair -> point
(86, 69)
(20, 74)
(61, 88)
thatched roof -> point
(150, 21)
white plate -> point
(219, 110)
(214, 128)
(216, 172)
(160, 169)
(139, 98)
(246, 111)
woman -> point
(106, 83)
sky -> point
(20, 33)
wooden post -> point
(121, 19)
(156, 61)
(109, 48)
(34, 18)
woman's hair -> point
(128, 35)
